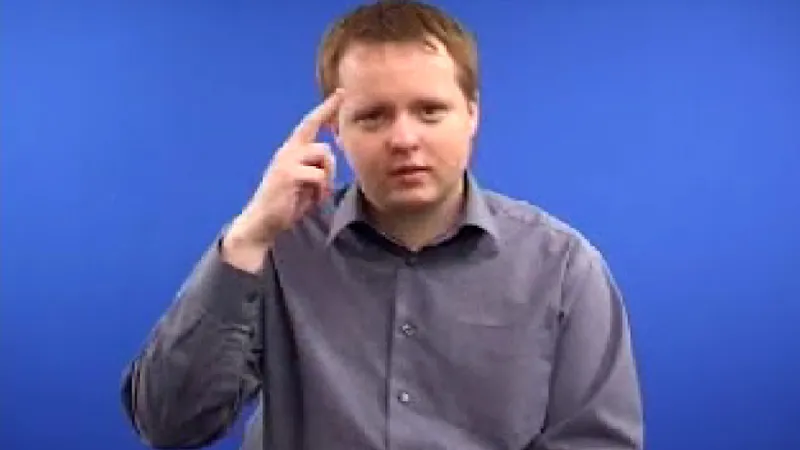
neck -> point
(415, 229)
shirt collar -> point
(350, 209)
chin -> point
(414, 199)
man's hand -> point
(299, 176)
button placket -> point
(402, 376)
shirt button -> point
(408, 329)
(403, 397)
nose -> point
(404, 133)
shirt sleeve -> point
(202, 361)
(595, 399)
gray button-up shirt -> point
(508, 333)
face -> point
(405, 125)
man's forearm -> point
(202, 361)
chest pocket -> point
(498, 329)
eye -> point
(432, 112)
(369, 118)
(366, 115)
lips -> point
(408, 170)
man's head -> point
(410, 109)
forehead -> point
(397, 70)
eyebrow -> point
(385, 105)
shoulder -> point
(527, 227)
(550, 247)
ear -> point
(474, 112)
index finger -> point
(307, 130)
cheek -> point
(452, 146)
(359, 150)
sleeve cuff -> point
(222, 290)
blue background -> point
(668, 132)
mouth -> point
(408, 170)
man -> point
(412, 309)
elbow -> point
(161, 424)
(168, 437)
